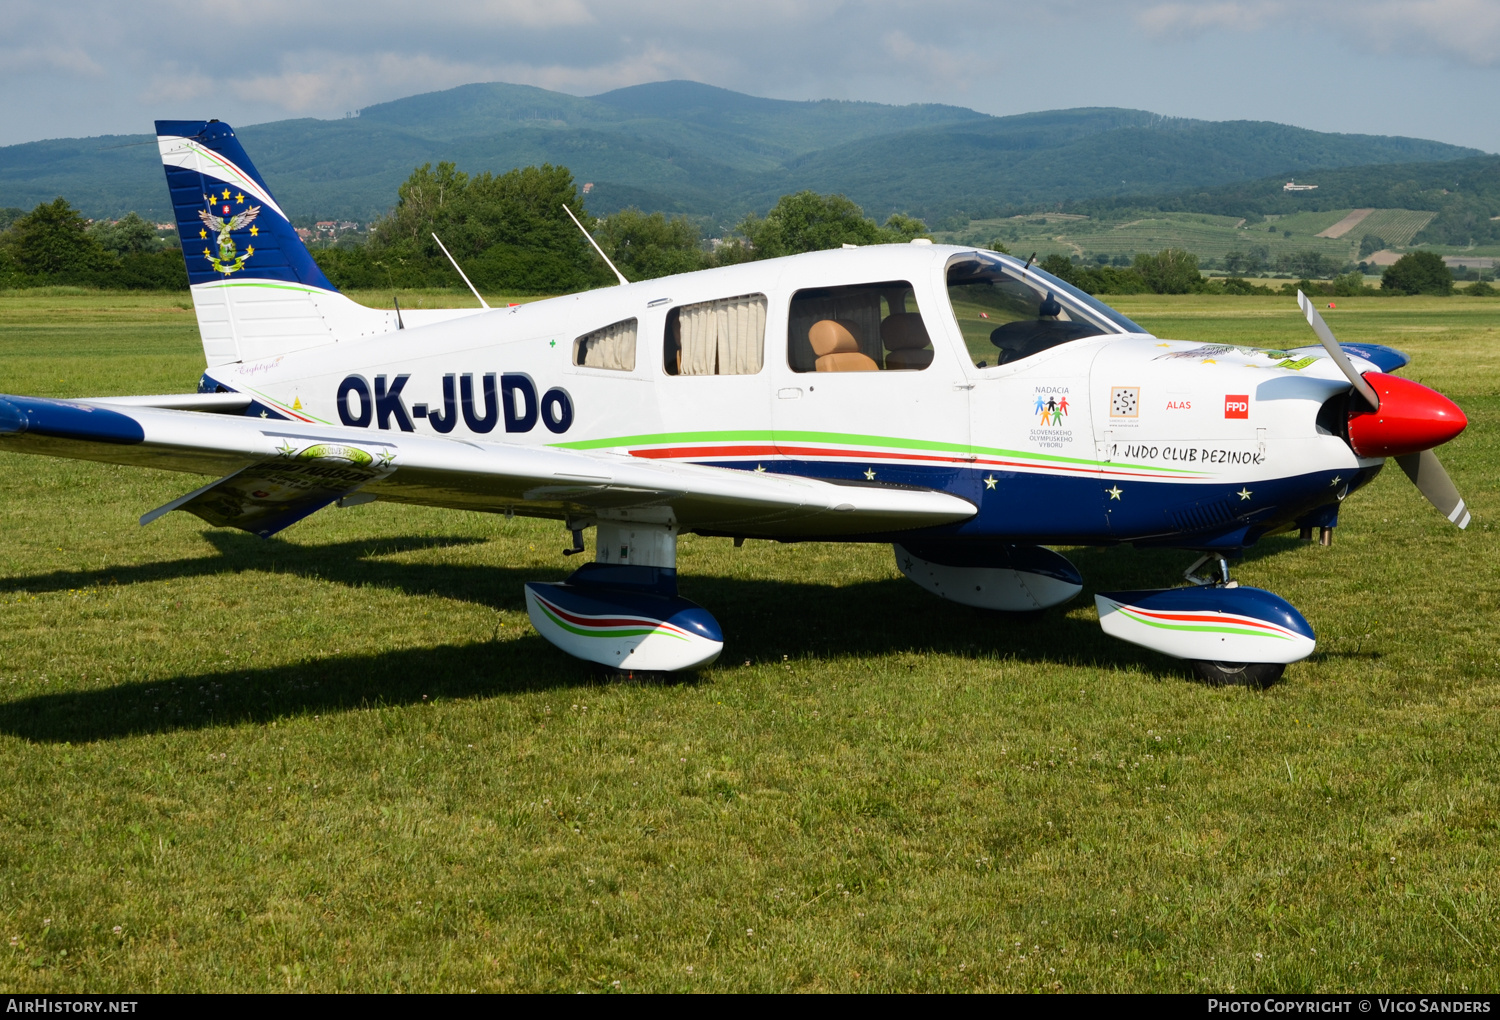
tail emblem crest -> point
(229, 260)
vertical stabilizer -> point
(256, 289)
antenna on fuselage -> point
(399, 323)
(482, 301)
(619, 275)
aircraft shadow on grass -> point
(764, 620)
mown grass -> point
(341, 759)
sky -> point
(1425, 68)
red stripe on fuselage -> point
(684, 452)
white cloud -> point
(1466, 30)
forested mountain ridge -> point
(684, 147)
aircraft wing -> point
(273, 472)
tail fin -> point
(256, 289)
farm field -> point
(1204, 235)
(341, 759)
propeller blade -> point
(1325, 336)
(1427, 474)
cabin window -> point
(612, 347)
(724, 337)
(865, 328)
(1008, 311)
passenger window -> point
(725, 337)
(866, 328)
(611, 347)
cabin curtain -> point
(725, 337)
(610, 347)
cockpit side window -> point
(869, 327)
(1010, 312)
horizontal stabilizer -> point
(214, 403)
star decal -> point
(869, 474)
(202, 233)
(1336, 480)
(760, 469)
(1164, 345)
(254, 231)
(265, 414)
(226, 194)
(240, 198)
(908, 564)
(1114, 493)
(1244, 493)
(385, 457)
(286, 449)
(1208, 361)
(205, 253)
(249, 250)
(989, 482)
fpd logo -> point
(1237, 405)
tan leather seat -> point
(836, 343)
(906, 341)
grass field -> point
(1204, 235)
(342, 759)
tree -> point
(1370, 244)
(646, 247)
(807, 221)
(1418, 272)
(1170, 271)
(128, 236)
(1235, 262)
(53, 240)
(507, 231)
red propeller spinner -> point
(1411, 418)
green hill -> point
(715, 154)
(1462, 196)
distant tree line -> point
(510, 233)
(1174, 271)
(54, 245)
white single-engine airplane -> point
(957, 403)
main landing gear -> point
(1228, 633)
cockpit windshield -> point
(1009, 310)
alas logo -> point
(516, 403)
(1237, 405)
(228, 260)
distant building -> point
(1294, 186)
(171, 227)
(588, 187)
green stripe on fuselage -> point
(849, 439)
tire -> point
(1257, 675)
